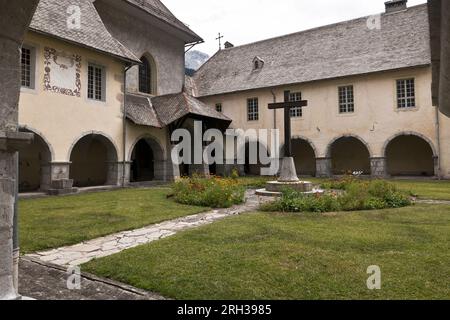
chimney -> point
(396, 5)
(228, 45)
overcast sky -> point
(245, 21)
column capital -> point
(11, 141)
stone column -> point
(15, 18)
(378, 167)
(115, 173)
(160, 167)
(121, 172)
(323, 167)
(172, 171)
(7, 199)
(437, 169)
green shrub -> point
(213, 192)
(338, 184)
(355, 195)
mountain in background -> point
(194, 60)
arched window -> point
(145, 76)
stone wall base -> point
(323, 167)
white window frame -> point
(32, 70)
(252, 109)
(95, 89)
(219, 107)
(406, 94)
(296, 112)
(346, 97)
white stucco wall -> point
(62, 120)
(376, 118)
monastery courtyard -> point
(140, 162)
(142, 245)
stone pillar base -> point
(378, 167)
(62, 187)
(199, 169)
(323, 168)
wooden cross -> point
(220, 41)
(287, 105)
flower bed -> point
(211, 192)
(351, 195)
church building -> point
(78, 60)
(368, 86)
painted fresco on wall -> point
(62, 72)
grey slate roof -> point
(141, 112)
(339, 50)
(161, 111)
(160, 11)
(172, 107)
(51, 18)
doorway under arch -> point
(94, 162)
(34, 164)
(147, 161)
(348, 155)
(410, 155)
(304, 157)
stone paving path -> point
(44, 281)
(115, 243)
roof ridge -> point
(312, 29)
(328, 52)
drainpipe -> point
(124, 123)
(274, 111)
(438, 138)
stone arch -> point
(349, 153)
(148, 75)
(35, 163)
(410, 133)
(94, 160)
(305, 153)
(410, 154)
(147, 159)
(26, 128)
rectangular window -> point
(96, 83)
(218, 107)
(406, 94)
(252, 109)
(346, 100)
(298, 111)
(27, 63)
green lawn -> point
(426, 189)
(58, 221)
(287, 256)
